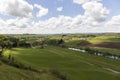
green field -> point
(73, 64)
(105, 38)
(107, 50)
(11, 73)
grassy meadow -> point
(47, 57)
(11, 73)
(105, 38)
(75, 65)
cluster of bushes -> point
(76, 43)
(54, 42)
(12, 41)
(83, 43)
(23, 42)
(0, 63)
(58, 74)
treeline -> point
(8, 42)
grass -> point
(105, 38)
(11, 73)
(107, 50)
(73, 64)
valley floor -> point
(75, 65)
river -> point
(98, 54)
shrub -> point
(58, 74)
(0, 63)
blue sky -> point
(59, 16)
(113, 5)
(69, 8)
(73, 9)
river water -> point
(98, 54)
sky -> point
(59, 16)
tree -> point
(4, 43)
(15, 41)
(8, 44)
(3, 40)
(61, 41)
(51, 41)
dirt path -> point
(114, 71)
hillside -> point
(75, 65)
(8, 72)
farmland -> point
(47, 57)
(59, 40)
(73, 64)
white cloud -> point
(115, 21)
(17, 23)
(80, 1)
(55, 22)
(95, 13)
(18, 8)
(42, 11)
(93, 20)
(61, 24)
(83, 1)
(15, 26)
(59, 8)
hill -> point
(75, 65)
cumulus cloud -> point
(17, 23)
(83, 1)
(80, 1)
(93, 20)
(66, 24)
(42, 11)
(95, 13)
(53, 25)
(115, 21)
(61, 24)
(18, 8)
(54, 22)
(59, 8)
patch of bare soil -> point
(106, 44)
